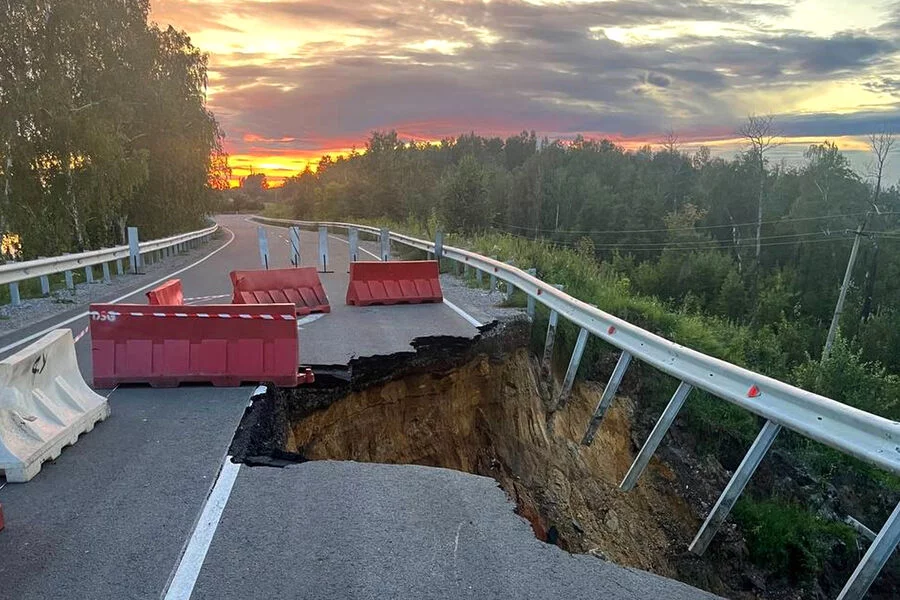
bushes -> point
(789, 540)
(846, 377)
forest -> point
(680, 227)
(103, 125)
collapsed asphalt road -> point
(141, 507)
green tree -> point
(464, 199)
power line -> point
(727, 226)
(724, 246)
(700, 243)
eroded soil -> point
(481, 407)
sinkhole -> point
(481, 406)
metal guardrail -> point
(13, 273)
(855, 432)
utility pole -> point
(842, 296)
(880, 144)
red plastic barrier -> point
(394, 282)
(168, 294)
(166, 345)
(300, 286)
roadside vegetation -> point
(668, 241)
(103, 125)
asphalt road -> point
(130, 503)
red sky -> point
(291, 81)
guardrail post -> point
(530, 309)
(70, 281)
(659, 431)
(735, 486)
(353, 238)
(89, 274)
(873, 561)
(548, 343)
(134, 250)
(479, 277)
(609, 392)
(494, 277)
(439, 247)
(323, 249)
(45, 285)
(107, 278)
(508, 287)
(294, 238)
(14, 297)
(385, 244)
(263, 246)
(572, 371)
(119, 269)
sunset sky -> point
(290, 81)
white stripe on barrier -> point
(112, 315)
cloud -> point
(299, 75)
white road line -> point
(472, 320)
(199, 299)
(375, 256)
(81, 334)
(43, 332)
(182, 585)
(310, 319)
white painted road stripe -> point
(310, 319)
(205, 299)
(43, 332)
(375, 256)
(472, 320)
(182, 585)
(81, 334)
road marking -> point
(81, 334)
(43, 332)
(182, 585)
(375, 256)
(310, 319)
(205, 298)
(472, 320)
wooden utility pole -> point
(842, 296)
(881, 144)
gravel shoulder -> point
(483, 304)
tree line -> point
(103, 125)
(746, 239)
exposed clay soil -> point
(482, 408)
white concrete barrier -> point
(45, 405)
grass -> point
(786, 538)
